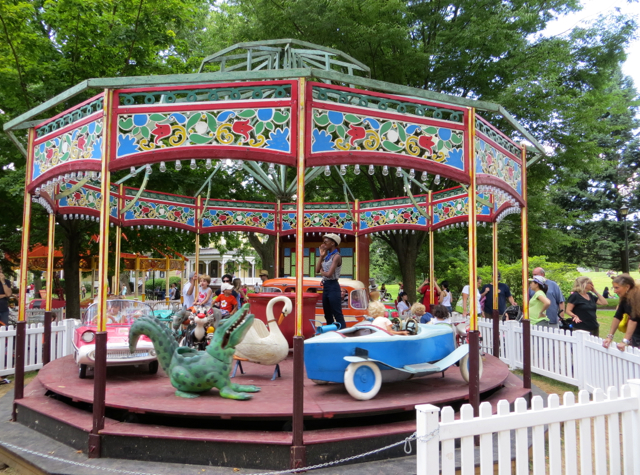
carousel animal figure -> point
(203, 324)
(266, 346)
(193, 372)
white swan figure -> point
(266, 346)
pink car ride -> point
(120, 316)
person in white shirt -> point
(465, 299)
(190, 290)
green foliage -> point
(160, 283)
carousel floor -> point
(146, 421)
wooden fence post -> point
(427, 451)
(579, 356)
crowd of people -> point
(547, 305)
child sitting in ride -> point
(419, 311)
(226, 301)
(440, 314)
(378, 312)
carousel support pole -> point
(46, 344)
(100, 370)
(21, 331)
(496, 312)
(136, 277)
(276, 271)
(432, 271)
(166, 283)
(197, 244)
(298, 456)
(118, 231)
(474, 334)
(526, 323)
(356, 254)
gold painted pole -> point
(474, 334)
(432, 271)
(356, 254)
(300, 206)
(197, 243)
(494, 278)
(50, 249)
(276, 271)
(136, 277)
(21, 330)
(118, 231)
(473, 238)
(298, 458)
(166, 281)
(526, 324)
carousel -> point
(261, 107)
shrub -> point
(160, 283)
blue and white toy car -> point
(365, 356)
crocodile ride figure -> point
(192, 372)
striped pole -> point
(526, 324)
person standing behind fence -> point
(445, 296)
(539, 301)
(556, 299)
(582, 305)
(5, 293)
(504, 293)
(627, 314)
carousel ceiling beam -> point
(308, 177)
(421, 210)
(130, 175)
(133, 202)
(73, 189)
(17, 143)
(259, 174)
(422, 186)
(208, 180)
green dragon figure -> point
(191, 371)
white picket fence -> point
(608, 431)
(578, 358)
(61, 345)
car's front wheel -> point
(82, 371)
(153, 367)
(362, 380)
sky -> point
(592, 9)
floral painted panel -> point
(164, 211)
(381, 217)
(493, 162)
(88, 198)
(81, 143)
(337, 131)
(340, 220)
(458, 207)
(255, 219)
(267, 128)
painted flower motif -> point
(321, 141)
(77, 196)
(336, 118)
(392, 135)
(223, 217)
(356, 133)
(82, 141)
(489, 159)
(243, 128)
(177, 213)
(201, 127)
(455, 158)
(50, 152)
(265, 115)
(444, 134)
(279, 140)
(96, 152)
(161, 131)
(140, 120)
(426, 142)
(145, 210)
(406, 215)
(333, 220)
(256, 219)
(126, 145)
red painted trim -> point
(226, 85)
(417, 197)
(386, 158)
(128, 199)
(68, 111)
(492, 127)
(387, 96)
(275, 205)
(200, 152)
(450, 198)
(499, 148)
(56, 133)
(483, 179)
(468, 146)
(220, 229)
(376, 113)
(203, 106)
(87, 165)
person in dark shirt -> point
(5, 293)
(627, 314)
(504, 293)
(582, 306)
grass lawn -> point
(600, 279)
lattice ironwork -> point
(70, 117)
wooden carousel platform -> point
(146, 421)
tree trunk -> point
(71, 253)
(266, 250)
(406, 248)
